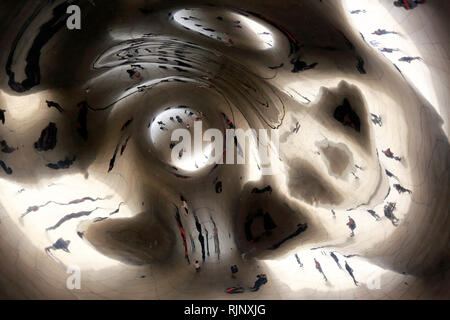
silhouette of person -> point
(52, 104)
(301, 65)
(336, 259)
(262, 279)
(201, 238)
(408, 4)
(388, 50)
(373, 214)
(60, 244)
(233, 290)
(380, 32)
(234, 270)
(197, 266)
(400, 189)
(352, 225)
(375, 119)
(409, 59)
(218, 187)
(360, 65)
(319, 268)
(390, 174)
(388, 153)
(6, 148)
(298, 261)
(350, 271)
(62, 164)
(5, 168)
(134, 74)
(2, 116)
(184, 204)
(389, 213)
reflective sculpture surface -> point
(347, 196)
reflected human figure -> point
(336, 259)
(334, 214)
(297, 127)
(408, 4)
(380, 32)
(180, 154)
(262, 279)
(390, 174)
(183, 234)
(207, 241)
(62, 164)
(192, 243)
(319, 268)
(400, 189)
(374, 214)
(197, 266)
(376, 120)
(2, 116)
(60, 244)
(218, 186)
(134, 74)
(388, 153)
(389, 213)
(201, 238)
(358, 11)
(52, 104)
(234, 270)
(5, 148)
(388, 50)
(216, 239)
(300, 65)
(350, 271)
(5, 168)
(352, 225)
(298, 261)
(232, 290)
(184, 205)
(360, 65)
(409, 59)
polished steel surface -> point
(356, 91)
